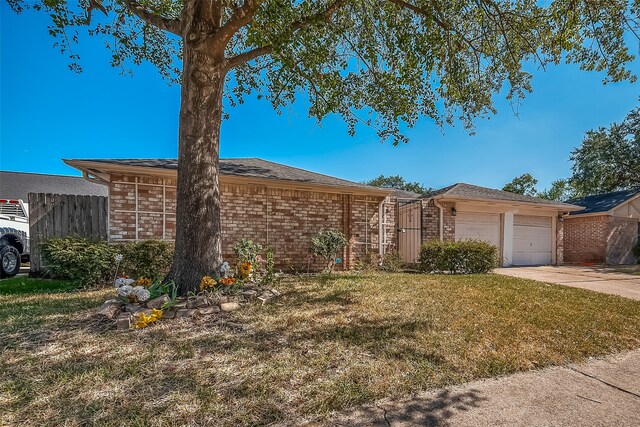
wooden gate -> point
(60, 215)
(409, 229)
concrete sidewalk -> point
(593, 278)
(598, 393)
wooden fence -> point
(60, 215)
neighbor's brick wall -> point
(431, 221)
(622, 236)
(600, 238)
(284, 219)
(585, 239)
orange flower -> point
(228, 281)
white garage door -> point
(531, 240)
(478, 226)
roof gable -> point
(600, 203)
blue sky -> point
(48, 112)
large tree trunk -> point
(198, 246)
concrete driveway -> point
(599, 279)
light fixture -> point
(454, 212)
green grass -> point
(27, 285)
(327, 344)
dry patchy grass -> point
(327, 344)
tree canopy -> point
(384, 63)
(396, 181)
(524, 184)
(561, 190)
(609, 158)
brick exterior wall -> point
(585, 239)
(622, 236)
(603, 238)
(284, 219)
(431, 221)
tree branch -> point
(248, 56)
(241, 17)
(173, 26)
(324, 15)
(421, 11)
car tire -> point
(9, 261)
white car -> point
(14, 236)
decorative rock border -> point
(204, 304)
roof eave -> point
(558, 206)
(100, 169)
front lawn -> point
(325, 345)
(27, 285)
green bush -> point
(82, 260)
(328, 245)
(636, 250)
(247, 250)
(466, 257)
(146, 258)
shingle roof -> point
(248, 167)
(404, 194)
(604, 202)
(468, 191)
(17, 185)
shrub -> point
(270, 277)
(328, 245)
(464, 257)
(636, 250)
(247, 250)
(392, 261)
(369, 261)
(146, 258)
(82, 260)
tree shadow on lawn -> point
(428, 411)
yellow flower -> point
(207, 282)
(145, 319)
(245, 269)
(144, 281)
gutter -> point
(441, 221)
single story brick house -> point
(605, 231)
(271, 203)
(284, 207)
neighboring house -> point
(14, 206)
(284, 207)
(16, 186)
(605, 231)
